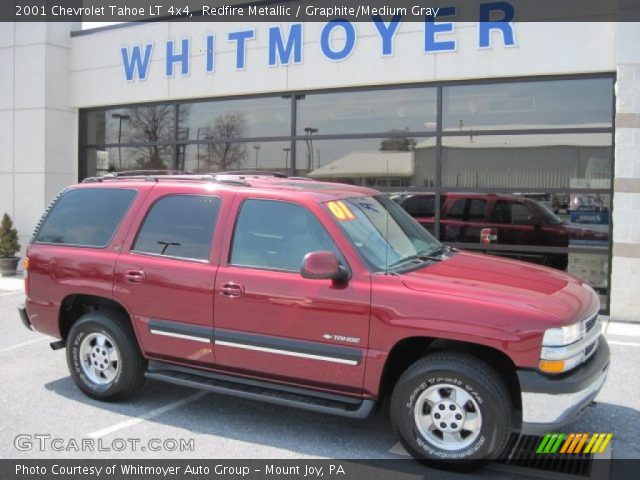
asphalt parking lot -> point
(41, 399)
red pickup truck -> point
(320, 296)
(501, 220)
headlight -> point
(567, 347)
(559, 337)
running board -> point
(262, 391)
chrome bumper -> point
(549, 403)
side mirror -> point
(323, 265)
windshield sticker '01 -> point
(341, 211)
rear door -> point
(269, 321)
(165, 275)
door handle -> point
(134, 276)
(231, 290)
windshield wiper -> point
(424, 256)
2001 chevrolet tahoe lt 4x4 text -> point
(315, 295)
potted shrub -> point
(9, 246)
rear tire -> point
(451, 410)
(103, 356)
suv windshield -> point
(385, 235)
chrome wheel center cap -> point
(448, 416)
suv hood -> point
(509, 282)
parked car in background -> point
(505, 220)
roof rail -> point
(137, 173)
(157, 175)
(253, 173)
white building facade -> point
(545, 111)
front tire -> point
(452, 410)
(103, 356)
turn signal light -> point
(25, 264)
(551, 366)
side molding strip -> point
(287, 352)
(180, 335)
(259, 343)
(180, 330)
(289, 347)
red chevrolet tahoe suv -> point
(321, 296)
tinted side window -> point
(179, 226)
(520, 214)
(477, 207)
(512, 213)
(420, 206)
(502, 212)
(276, 235)
(85, 217)
(457, 209)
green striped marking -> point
(551, 443)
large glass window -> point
(85, 217)
(575, 160)
(226, 119)
(520, 169)
(233, 155)
(390, 161)
(397, 110)
(179, 226)
(150, 124)
(546, 104)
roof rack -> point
(136, 174)
(236, 177)
(253, 173)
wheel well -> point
(75, 306)
(409, 350)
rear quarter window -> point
(85, 217)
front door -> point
(270, 321)
(166, 277)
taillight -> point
(488, 235)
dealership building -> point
(544, 111)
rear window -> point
(85, 217)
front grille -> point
(589, 350)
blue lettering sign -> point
(134, 61)
(241, 38)
(338, 37)
(182, 57)
(349, 43)
(504, 25)
(432, 29)
(387, 32)
(279, 53)
(210, 55)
